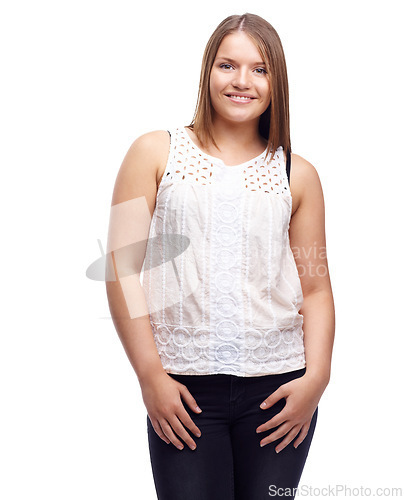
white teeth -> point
(239, 97)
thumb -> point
(189, 399)
(272, 399)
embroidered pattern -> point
(192, 164)
(230, 301)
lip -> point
(240, 94)
(240, 101)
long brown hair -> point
(274, 122)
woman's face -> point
(238, 69)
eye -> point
(261, 71)
(225, 64)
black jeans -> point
(228, 462)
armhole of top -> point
(288, 162)
(167, 168)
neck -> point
(236, 136)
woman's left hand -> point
(302, 397)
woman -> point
(230, 378)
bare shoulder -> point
(141, 166)
(151, 149)
(304, 181)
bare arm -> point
(133, 202)
(132, 206)
(308, 243)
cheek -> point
(212, 87)
(218, 81)
(266, 91)
(215, 91)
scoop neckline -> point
(219, 160)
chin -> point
(240, 119)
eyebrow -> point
(233, 61)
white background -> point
(81, 80)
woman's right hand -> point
(162, 398)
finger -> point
(302, 436)
(165, 425)
(283, 429)
(273, 398)
(181, 432)
(189, 399)
(183, 415)
(289, 437)
(159, 431)
(278, 419)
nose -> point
(241, 78)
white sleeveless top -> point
(219, 277)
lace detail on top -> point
(226, 296)
(258, 174)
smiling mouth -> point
(240, 98)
